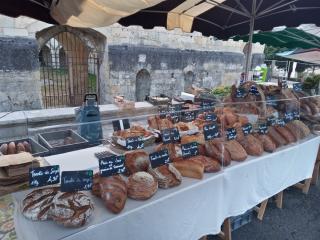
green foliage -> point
(311, 82)
(221, 91)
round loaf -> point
(304, 130)
(166, 175)
(12, 148)
(141, 186)
(4, 149)
(136, 161)
(37, 204)
(27, 146)
(113, 192)
(71, 209)
(20, 147)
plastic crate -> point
(54, 141)
(36, 149)
(241, 220)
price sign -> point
(159, 158)
(271, 101)
(73, 181)
(263, 129)
(254, 91)
(288, 117)
(297, 87)
(120, 124)
(296, 115)
(189, 116)
(210, 117)
(170, 135)
(271, 121)
(111, 165)
(43, 176)
(133, 143)
(231, 133)
(163, 112)
(247, 129)
(207, 104)
(280, 122)
(189, 149)
(241, 93)
(174, 112)
(210, 131)
(284, 83)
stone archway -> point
(189, 79)
(143, 85)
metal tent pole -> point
(249, 54)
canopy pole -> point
(249, 54)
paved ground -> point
(298, 220)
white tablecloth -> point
(193, 209)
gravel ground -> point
(298, 220)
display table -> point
(189, 211)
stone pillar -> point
(19, 74)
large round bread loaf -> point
(136, 161)
(71, 209)
(304, 130)
(142, 186)
(166, 175)
(37, 204)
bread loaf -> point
(252, 145)
(20, 148)
(190, 168)
(166, 175)
(4, 149)
(268, 144)
(95, 185)
(71, 209)
(173, 149)
(141, 186)
(313, 107)
(199, 138)
(216, 150)
(27, 147)
(152, 122)
(136, 161)
(305, 108)
(36, 205)
(276, 137)
(236, 151)
(12, 148)
(210, 165)
(113, 191)
(286, 134)
(304, 130)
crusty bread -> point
(166, 175)
(142, 186)
(137, 160)
(190, 168)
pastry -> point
(166, 175)
(164, 123)
(95, 185)
(141, 186)
(27, 147)
(37, 204)
(236, 151)
(304, 130)
(71, 209)
(190, 168)
(276, 137)
(210, 164)
(20, 147)
(293, 130)
(268, 144)
(4, 149)
(136, 161)
(199, 138)
(11, 148)
(113, 191)
(252, 145)
(182, 126)
(286, 134)
(152, 122)
(216, 150)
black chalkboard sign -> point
(296, 115)
(133, 143)
(207, 105)
(280, 122)
(170, 135)
(111, 165)
(73, 181)
(263, 129)
(231, 133)
(160, 158)
(284, 83)
(120, 124)
(241, 93)
(210, 131)
(163, 111)
(43, 176)
(210, 117)
(189, 149)
(297, 87)
(174, 111)
(271, 121)
(188, 116)
(288, 117)
(271, 101)
(247, 129)
(254, 91)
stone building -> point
(44, 66)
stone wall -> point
(19, 74)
